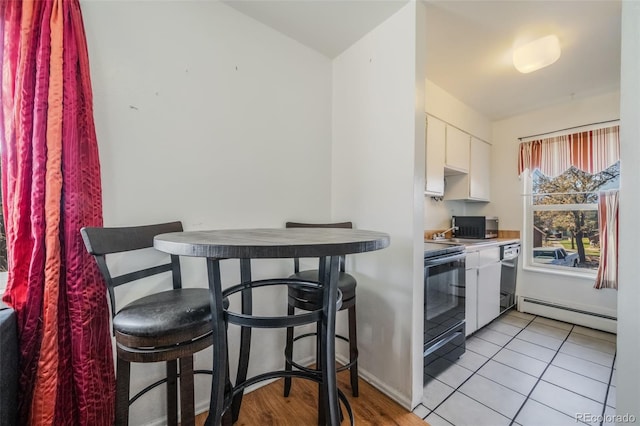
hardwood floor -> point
(267, 406)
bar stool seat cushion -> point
(181, 312)
(346, 284)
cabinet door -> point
(434, 156)
(457, 150)
(471, 300)
(488, 293)
(479, 170)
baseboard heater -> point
(568, 314)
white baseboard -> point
(567, 314)
(373, 380)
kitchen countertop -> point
(502, 241)
(472, 245)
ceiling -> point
(328, 26)
(469, 44)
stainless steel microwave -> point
(475, 226)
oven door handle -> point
(441, 343)
(442, 260)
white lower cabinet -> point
(482, 280)
(471, 301)
(488, 293)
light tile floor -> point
(525, 370)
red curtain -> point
(50, 189)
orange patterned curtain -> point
(592, 151)
(51, 188)
(608, 219)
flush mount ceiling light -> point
(536, 54)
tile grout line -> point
(572, 391)
(540, 379)
(562, 341)
(584, 375)
(474, 372)
(606, 395)
(549, 363)
(592, 348)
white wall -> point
(507, 203)
(207, 116)
(441, 104)
(378, 132)
(628, 377)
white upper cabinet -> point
(434, 157)
(457, 151)
(457, 165)
(476, 185)
(480, 170)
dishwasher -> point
(509, 254)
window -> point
(564, 175)
(563, 216)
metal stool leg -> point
(172, 392)
(123, 374)
(187, 408)
(227, 417)
(329, 272)
(245, 336)
(288, 352)
(353, 350)
(220, 355)
(322, 398)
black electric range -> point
(444, 304)
(432, 250)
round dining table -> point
(326, 244)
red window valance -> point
(591, 151)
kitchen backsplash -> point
(508, 234)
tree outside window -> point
(565, 217)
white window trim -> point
(527, 236)
(563, 207)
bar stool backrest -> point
(103, 241)
(346, 225)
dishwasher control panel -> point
(509, 259)
(509, 251)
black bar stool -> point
(310, 299)
(167, 326)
